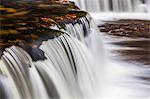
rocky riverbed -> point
(130, 38)
(127, 27)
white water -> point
(122, 80)
(87, 32)
(67, 73)
(114, 5)
(56, 76)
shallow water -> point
(127, 69)
(131, 50)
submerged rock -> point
(127, 27)
(131, 37)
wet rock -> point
(127, 27)
(27, 24)
(132, 38)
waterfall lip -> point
(29, 43)
(26, 30)
(28, 33)
(31, 40)
(80, 27)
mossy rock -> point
(27, 38)
(27, 24)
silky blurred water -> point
(127, 66)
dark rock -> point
(132, 28)
(27, 24)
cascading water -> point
(87, 32)
(50, 64)
(122, 80)
(72, 65)
(66, 73)
(114, 5)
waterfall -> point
(85, 30)
(66, 73)
(51, 64)
(80, 29)
(114, 5)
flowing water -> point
(77, 66)
(69, 71)
(66, 73)
(114, 5)
(127, 75)
(126, 72)
(87, 32)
